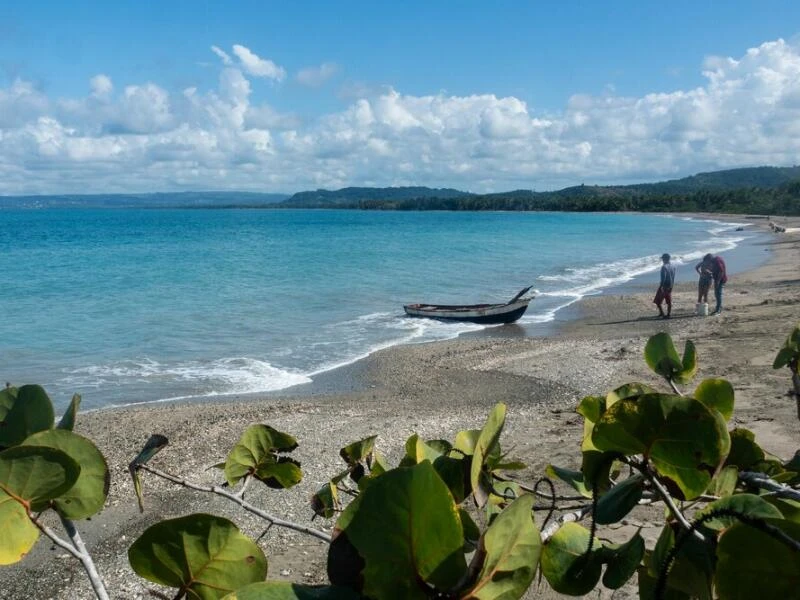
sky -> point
(145, 96)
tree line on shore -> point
(782, 200)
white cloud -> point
(317, 76)
(101, 86)
(226, 59)
(146, 139)
(256, 66)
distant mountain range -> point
(349, 195)
(716, 181)
(770, 189)
(155, 200)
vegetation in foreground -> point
(449, 521)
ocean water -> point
(129, 306)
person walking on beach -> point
(704, 270)
(664, 293)
(718, 272)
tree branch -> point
(533, 490)
(642, 468)
(54, 537)
(570, 517)
(86, 559)
(77, 550)
(760, 480)
(214, 489)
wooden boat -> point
(474, 313)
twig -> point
(54, 537)
(667, 499)
(246, 483)
(762, 481)
(215, 489)
(532, 490)
(674, 387)
(86, 559)
(78, 550)
(570, 517)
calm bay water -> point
(126, 306)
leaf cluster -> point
(449, 521)
(43, 466)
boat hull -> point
(485, 314)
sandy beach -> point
(434, 390)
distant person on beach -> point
(720, 276)
(664, 293)
(706, 277)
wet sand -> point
(435, 390)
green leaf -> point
(30, 476)
(572, 478)
(203, 555)
(285, 590)
(592, 408)
(379, 465)
(8, 396)
(647, 587)
(256, 454)
(629, 390)
(665, 542)
(746, 504)
(688, 364)
(768, 569)
(565, 564)
(596, 469)
(89, 493)
(455, 474)
(684, 440)
(19, 533)
(511, 546)
(487, 442)
(504, 493)
(465, 441)
(745, 452)
(68, 418)
(420, 539)
(661, 356)
(280, 475)
(619, 500)
(790, 350)
(790, 509)
(691, 570)
(36, 475)
(325, 502)
(724, 482)
(623, 561)
(30, 411)
(717, 394)
(358, 451)
(472, 533)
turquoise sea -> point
(126, 306)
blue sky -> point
(130, 96)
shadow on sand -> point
(653, 318)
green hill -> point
(353, 196)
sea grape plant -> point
(789, 356)
(451, 519)
(46, 467)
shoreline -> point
(340, 378)
(434, 389)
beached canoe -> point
(507, 312)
